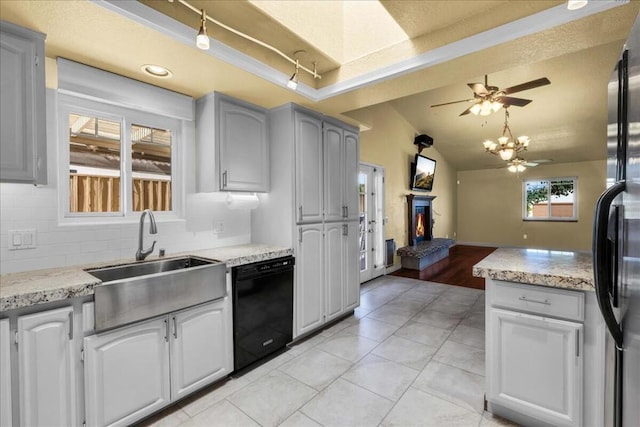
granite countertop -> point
(558, 269)
(42, 286)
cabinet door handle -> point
(578, 343)
(175, 327)
(545, 302)
(224, 179)
(300, 213)
(71, 325)
(345, 230)
(346, 211)
(300, 235)
(166, 330)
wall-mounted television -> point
(422, 172)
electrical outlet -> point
(22, 239)
(218, 227)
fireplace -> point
(420, 218)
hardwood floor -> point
(453, 270)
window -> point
(553, 199)
(117, 161)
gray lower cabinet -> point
(47, 368)
(5, 374)
(134, 371)
(327, 284)
(126, 373)
(22, 112)
(232, 139)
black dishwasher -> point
(262, 309)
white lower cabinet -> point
(536, 366)
(5, 374)
(537, 345)
(126, 373)
(134, 371)
(47, 361)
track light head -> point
(293, 81)
(202, 39)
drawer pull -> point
(525, 299)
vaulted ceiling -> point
(411, 54)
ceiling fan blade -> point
(508, 100)
(478, 89)
(526, 86)
(465, 112)
(530, 164)
(454, 102)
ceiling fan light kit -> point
(490, 99)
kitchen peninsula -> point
(545, 340)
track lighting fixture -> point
(202, 39)
(293, 81)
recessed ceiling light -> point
(156, 71)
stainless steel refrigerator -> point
(616, 240)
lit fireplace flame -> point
(420, 225)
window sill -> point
(80, 222)
(550, 219)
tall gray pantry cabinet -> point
(313, 207)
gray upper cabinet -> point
(308, 168)
(22, 105)
(233, 145)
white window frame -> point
(69, 104)
(573, 218)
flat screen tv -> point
(422, 172)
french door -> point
(371, 225)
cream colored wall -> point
(490, 207)
(389, 143)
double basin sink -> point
(141, 290)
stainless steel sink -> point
(138, 291)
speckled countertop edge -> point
(28, 288)
(557, 269)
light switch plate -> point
(22, 239)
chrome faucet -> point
(153, 229)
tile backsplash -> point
(24, 207)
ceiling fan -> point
(489, 99)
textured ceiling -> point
(566, 120)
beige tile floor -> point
(411, 355)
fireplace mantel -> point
(415, 205)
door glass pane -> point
(151, 167)
(94, 164)
(362, 193)
(537, 199)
